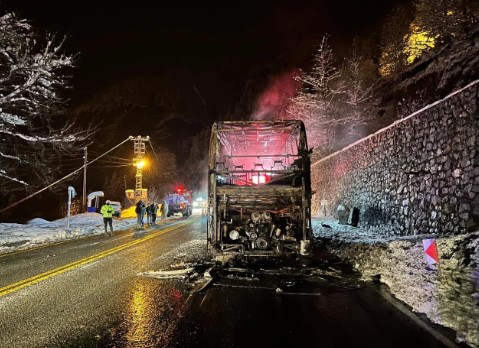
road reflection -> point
(151, 315)
(140, 317)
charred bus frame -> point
(259, 189)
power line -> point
(65, 177)
(129, 163)
(113, 157)
(59, 159)
(117, 166)
(151, 145)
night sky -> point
(208, 52)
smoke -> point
(202, 189)
(273, 101)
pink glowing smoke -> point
(273, 101)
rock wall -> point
(419, 175)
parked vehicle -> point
(259, 190)
(200, 206)
(116, 208)
(179, 202)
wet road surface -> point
(85, 287)
(257, 315)
(111, 294)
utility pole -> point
(84, 179)
(139, 151)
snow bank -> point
(448, 295)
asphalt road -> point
(110, 292)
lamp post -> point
(139, 162)
(139, 177)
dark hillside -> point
(437, 74)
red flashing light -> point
(260, 179)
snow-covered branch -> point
(3, 175)
(32, 78)
(334, 102)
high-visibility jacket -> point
(107, 211)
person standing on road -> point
(164, 210)
(153, 211)
(107, 213)
(139, 213)
(148, 214)
(143, 212)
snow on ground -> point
(37, 231)
(448, 294)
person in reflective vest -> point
(107, 213)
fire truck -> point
(259, 190)
(179, 202)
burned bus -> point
(259, 190)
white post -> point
(84, 207)
(71, 194)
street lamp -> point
(140, 164)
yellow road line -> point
(65, 268)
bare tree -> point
(160, 174)
(335, 103)
(358, 102)
(315, 102)
(195, 169)
(32, 126)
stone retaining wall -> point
(419, 175)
